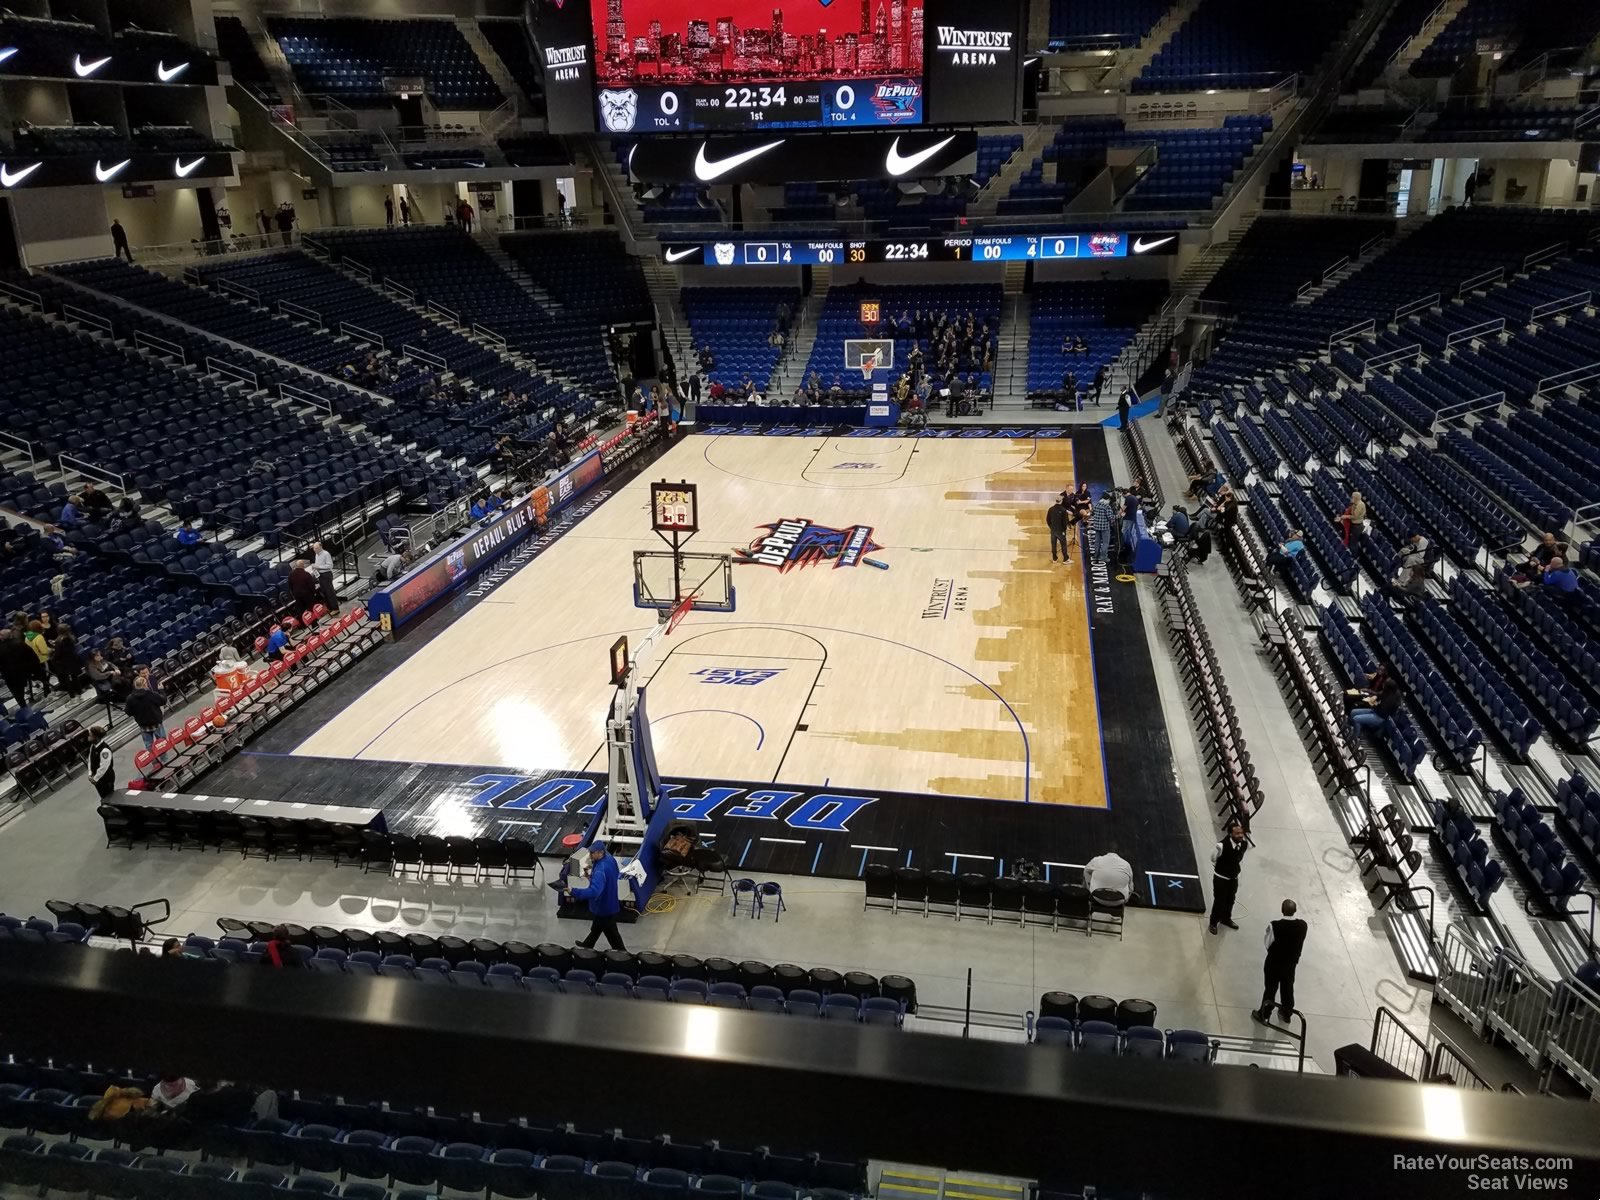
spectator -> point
(280, 953)
(464, 215)
(836, 390)
(173, 1092)
(119, 1103)
(1354, 515)
(144, 705)
(405, 211)
(322, 560)
(1098, 384)
(1109, 873)
(108, 682)
(119, 656)
(127, 514)
(40, 645)
(601, 894)
(1057, 520)
(388, 211)
(393, 566)
(71, 514)
(1179, 524)
(119, 242)
(188, 535)
(101, 772)
(1379, 706)
(302, 584)
(66, 661)
(1125, 404)
(1100, 527)
(1545, 553)
(95, 503)
(1560, 580)
(1287, 550)
(1411, 577)
(277, 642)
(19, 666)
(172, 948)
(1227, 509)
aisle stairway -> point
(1034, 140)
(491, 61)
(1011, 358)
(791, 368)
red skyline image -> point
(655, 42)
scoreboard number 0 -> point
(669, 104)
(844, 97)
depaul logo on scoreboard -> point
(798, 542)
(897, 100)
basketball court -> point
(873, 617)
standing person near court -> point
(1100, 527)
(1057, 519)
(322, 561)
(145, 706)
(601, 894)
(302, 584)
(119, 242)
(1226, 860)
(1286, 937)
(1125, 408)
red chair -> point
(162, 747)
(143, 760)
(289, 622)
(263, 677)
(308, 618)
(261, 645)
(359, 613)
(207, 713)
(318, 611)
(192, 728)
(277, 670)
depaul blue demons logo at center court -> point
(797, 542)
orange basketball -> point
(219, 720)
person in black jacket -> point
(18, 665)
(1380, 705)
(1057, 518)
(144, 705)
(1285, 939)
(101, 772)
(1225, 863)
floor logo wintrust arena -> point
(796, 542)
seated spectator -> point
(277, 642)
(1412, 577)
(836, 391)
(1560, 580)
(1380, 706)
(127, 513)
(1207, 483)
(173, 1092)
(66, 661)
(1109, 873)
(94, 502)
(1286, 551)
(394, 565)
(717, 391)
(1545, 553)
(1178, 523)
(71, 514)
(479, 509)
(119, 1103)
(188, 535)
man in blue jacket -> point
(601, 893)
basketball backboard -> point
(662, 579)
(868, 355)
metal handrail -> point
(1492, 275)
(1553, 383)
(18, 442)
(451, 315)
(1418, 305)
(1351, 331)
(26, 295)
(1395, 1034)
(1551, 307)
(300, 310)
(160, 345)
(1475, 332)
(243, 375)
(426, 356)
(1539, 256)
(365, 335)
(82, 466)
(1393, 356)
(287, 391)
(85, 317)
(239, 289)
(1401, 48)
(1444, 1049)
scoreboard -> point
(978, 248)
(788, 104)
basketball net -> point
(868, 364)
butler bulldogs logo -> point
(619, 110)
(796, 542)
(724, 253)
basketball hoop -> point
(678, 612)
(868, 364)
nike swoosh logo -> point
(10, 178)
(680, 255)
(7, 52)
(705, 170)
(1140, 246)
(167, 76)
(898, 164)
(105, 174)
(183, 168)
(84, 69)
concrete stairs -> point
(1412, 50)
(1011, 355)
(1034, 140)
(489, 242)
(491, 62)
(1404, 230)
(791, 370)
(605, 163)
(665, 293)
(1205, 265)
(271, 55)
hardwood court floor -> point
(963, 668)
